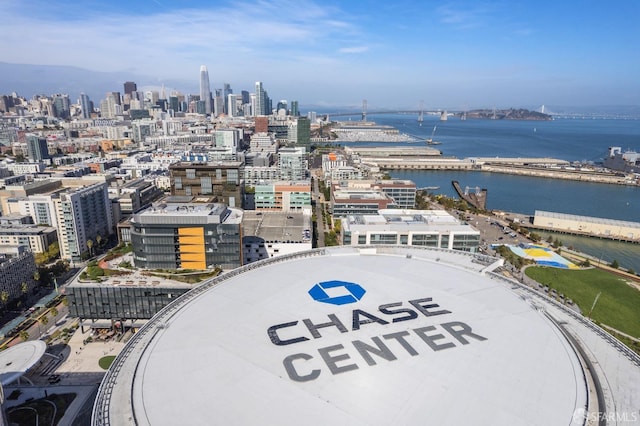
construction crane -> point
(430, 141)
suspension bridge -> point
(443, 113)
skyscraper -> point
(205, 91)
(226, 91)
(130, 87)
(37, 149)
(260, 100)
(61, 106)
(85, 106)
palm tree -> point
(99, 240)
(4, 298)
(90, 246)
(24, 288)
(54, 311)
(24, 335)
(44, 320)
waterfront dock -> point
(610, 229)
(561, 173)
(425, 158)
(477, 197)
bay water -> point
(576, 140)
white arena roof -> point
(385, 335)
(16, 360)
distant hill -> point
(508, 114)
(28, 80)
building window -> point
(347, 238)
(191, 173)
(205, 185)
(232, 176)
(178, 182)
(427, 240)
(384, 239)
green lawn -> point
(105, 361)
(618, 305)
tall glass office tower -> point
(205, 91)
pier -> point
(426, 158)
(477, 199)
(609, 229)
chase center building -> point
(385, 335)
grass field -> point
(105, 361)
(618, 306)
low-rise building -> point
(403, 192)
(219, 179)
(17, 266)
(187, 236)
(428, 228)
(283, 196)
(345, 202)
(128, 297)
(35, 238)
(271, 234)
(136, 195)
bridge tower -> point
(364, 110)
(421, 113)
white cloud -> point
(463, 18)
(173, 42)
(354, 49)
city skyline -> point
(449, 54)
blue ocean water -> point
(583, 140)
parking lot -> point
(492, 229)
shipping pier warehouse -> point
(368, 336)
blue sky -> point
(458, 54)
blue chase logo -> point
(355, 292)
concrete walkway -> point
(78, 370)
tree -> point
(44, 320)
(24, 288)
(4, 298)
(615, 264)
(535, 237)
(99, 240)
(338, 226)
(54, 311)
(54, 250)
(24, 335)
(90, 247)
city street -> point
(317, 199)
